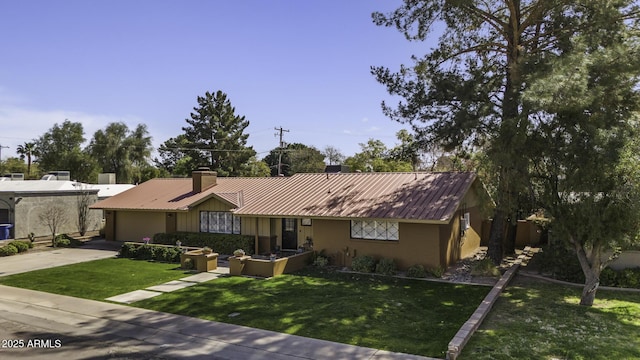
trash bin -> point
(5, 231)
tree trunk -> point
(510, 239)
(591, 267)
(495, 237)
(590, 287)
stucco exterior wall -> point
(135, 225)
(454, 243)
(26, 213)
(418, 244)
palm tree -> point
(27, 150)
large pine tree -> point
(467, 91)
(215, 136)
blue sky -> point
(300, 64)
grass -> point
(97, 279)
(409, 316)
(534, 320)
(531, 320)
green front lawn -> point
(534, 320)
(402, 315)
(97, 280)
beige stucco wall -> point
(26, 213)
(135, 225)
(418, 244)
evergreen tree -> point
(215, 136)
(467, 91)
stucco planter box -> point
(246, 265)
(236, 264)
(202, 262)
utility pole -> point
(281, 148)
(2, 147)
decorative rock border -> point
(470, 326)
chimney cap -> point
(203, 168)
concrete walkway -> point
(144, 333)
(170, 286)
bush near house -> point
(8, 250)
(416, 271)
(65, 240)
(15, 247)
(386, 267)
(22, 246)
(365, 264)
(220, 243)
(150, 252)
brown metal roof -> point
(178, 195)
(402, 196)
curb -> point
(470, 326)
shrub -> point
(609, 277)
(386, 267)
(416, 271)
(321, 261)
(128, 250)
(146, 252)
(485, 267)
(222, 243)
(161, 253)
(559, 262)
(629, 278)
(364, 264)
(437, 271)
(65, 240)
(8, 250)
(187, 264)
(169, 255)
(150, 252)
(22, 246)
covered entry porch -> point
(281, 234)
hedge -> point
(220, 243)
(150, 252)
(8, 250)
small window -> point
(375, 230)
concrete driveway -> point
(92, 250)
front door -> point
(290, 233)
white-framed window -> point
(375, 230)
(221, 222)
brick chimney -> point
(203, 178)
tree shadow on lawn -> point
(534, 319)
(400, 315)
